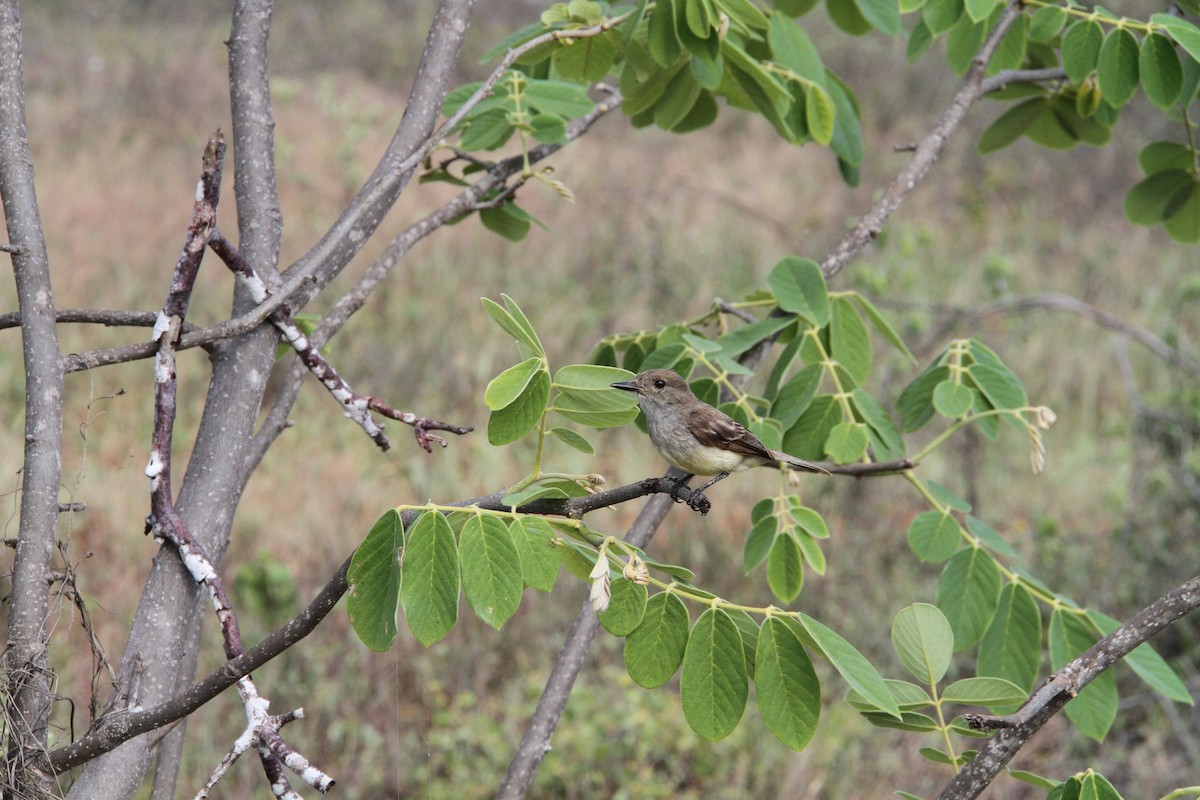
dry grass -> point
(663, 225)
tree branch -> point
(276, 420)
(927, 151)
(1016, 729)
(26, 659)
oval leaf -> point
(654, 650)
(430, 585)
(786, 686)
(491, 569)
(374, 578)
(714, 684)
(924, 641)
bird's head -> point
(660, 387)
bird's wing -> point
(719, 430)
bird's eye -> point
(660, 383)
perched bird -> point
(697, 438)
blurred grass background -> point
(122, 97)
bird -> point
(697, 438)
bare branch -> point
(119, 726)
(1016, 729)
(28, 694)
(927, 151)
(1061, 302)
(277, 418)
(1008, 77)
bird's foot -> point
(698, 502)
(680, 485)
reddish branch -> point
(166, 524)
(357, 406)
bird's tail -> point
(798, 464)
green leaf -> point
(947, 497)
(942, 15)
(573, 439)
(1094, 786)
(1012, 124)
(924, 641)
(662, 39)
(884, 15)
(1185, 34)
(505, 388)
(963, 43)
(847, 142)
(745, 13)
(1031, 778)
(677, 100)
(791, 47)
(736, 342)
(491, 569)
(820, 113)
(786, 686)
(785, 573)
(847, 442)
(988, 537)
(884, 327)
(539, 561)
(1150, 199)
(1160, 70)
(1118, 67)
(915, 403)
(1094, 709)
(713, 686)
(920, 39)
(586, 60)
(1002, 388)
(846, 15)
(796, 395)
(516, 326)
(759, 542)
(799, 287)
(374, 578)
(487, 131)
(890, 445)
(1163, 156)
(1047, 23)
(952, 399)
(979, 10)
(654, 650)
(968, 594)
(1081, 49)
(509, 220)
(1013, 47)
(567, 100)
(909, 696)
(626, 608)
(548, 128)
(806, 439)
(429, 589)
(538, 491)
(850, 664)
(934, 536)
(910, 721)
(1148, 664)
(850, 344)
(522, 415)
(1183, 221)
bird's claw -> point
(699, 503)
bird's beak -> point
(628, 386)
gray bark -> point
(26, 659)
